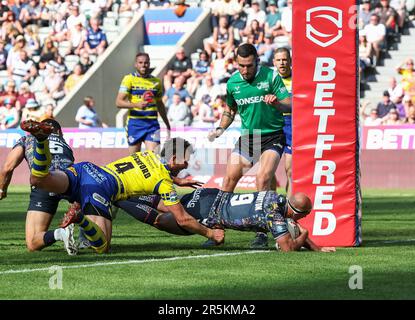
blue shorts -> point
(288, 132)
(137, 133)
(89, 184)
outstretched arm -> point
(14, 158)
(226, 120)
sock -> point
(41, 159)
(93, 233)
(57, 234)
(139, 210)
(49, 238)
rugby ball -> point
(293, 229)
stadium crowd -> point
(46, 46)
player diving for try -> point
(264, 211)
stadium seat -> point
(109, 22)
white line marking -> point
(137, 261)
(394, 241)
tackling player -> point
(93, 188)
(42, 205)
(141, 94)
(258, 211)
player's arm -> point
(284, 106)
(226, 120)
(123, 102)
(310, 245)
(161, 108)
(287, 243)
(186, 221)
(14, 158)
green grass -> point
(388, 267)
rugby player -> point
(93, 188)
(259, 95)
(141, 93)
(42, 205)
(258, 211)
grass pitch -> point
(148, 264)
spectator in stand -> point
(74, 78)
(18, 6)
(222, 37)
(218, 68)
(48, 112)
(49, 51)
(410, 119)
(203, 116)
(53, 83)
(75, 18)
(180, 66)
(85, 62)
(96, 40)
(364, 14)
(395, 91)
(31, 13)
(218, 107)
(208, 88)
(59, 28)
(373, 119)
(87, 116)
(239, 24)
(254, 29)
(9, 116)
(200, 71)
(255, 13)
(76, 37)
(178, 114)
(10, 93)
(33, 111)
(388, 16)
(228, 8)
(178, 87)
(32, 40)
(273, 20)
(12, 21)
(14, 53)
(385, 105)
(403, 108)
(45, 14)
(266, 50)
(375, 35)
(90, 8)
(3, 55)
(23, 69)
(59, 64)
(24, 95)
(407, 70)
(287, 20)
(400, 8)
(392, 119)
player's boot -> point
(69, 241)
(39, 130)
(260, 241)
(71, 216)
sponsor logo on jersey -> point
(97, 197)
(250, 100)
(148, 96)
(263, 85)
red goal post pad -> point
(325, 118)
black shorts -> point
(251, 147)
(43, 201)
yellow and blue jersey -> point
(142, 173)
(142, 89)
(288, 84)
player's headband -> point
(298, 211)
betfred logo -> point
(324, 18)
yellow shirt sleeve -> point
(125, 86)
(168, 193)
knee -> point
(31, 246)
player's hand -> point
(218, 235)
(327, 249)
(216, 133)
(302, 230)
(187, 183)
(140, 105)
(271, 99)
(3, 194)
(168, 134)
